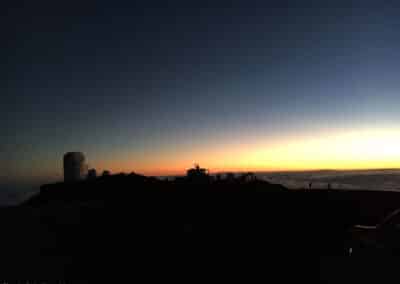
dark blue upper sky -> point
(154, 77)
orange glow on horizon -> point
(345, 150)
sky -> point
(155, 86)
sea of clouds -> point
(387, 180)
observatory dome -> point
(74, 166)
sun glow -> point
(345, 150)
(360, 149)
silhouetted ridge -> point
(186, 225)
(122, 187)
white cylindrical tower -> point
(74, 166)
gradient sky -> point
(154, 86)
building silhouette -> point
(92, 174)
(75, 168)
(106, 173)
(198, 175)
(196, 172)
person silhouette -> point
(310, 185)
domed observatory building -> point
(75, 168)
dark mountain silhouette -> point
(189, 227)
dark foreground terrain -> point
(131, 225)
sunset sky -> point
(155, 86)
